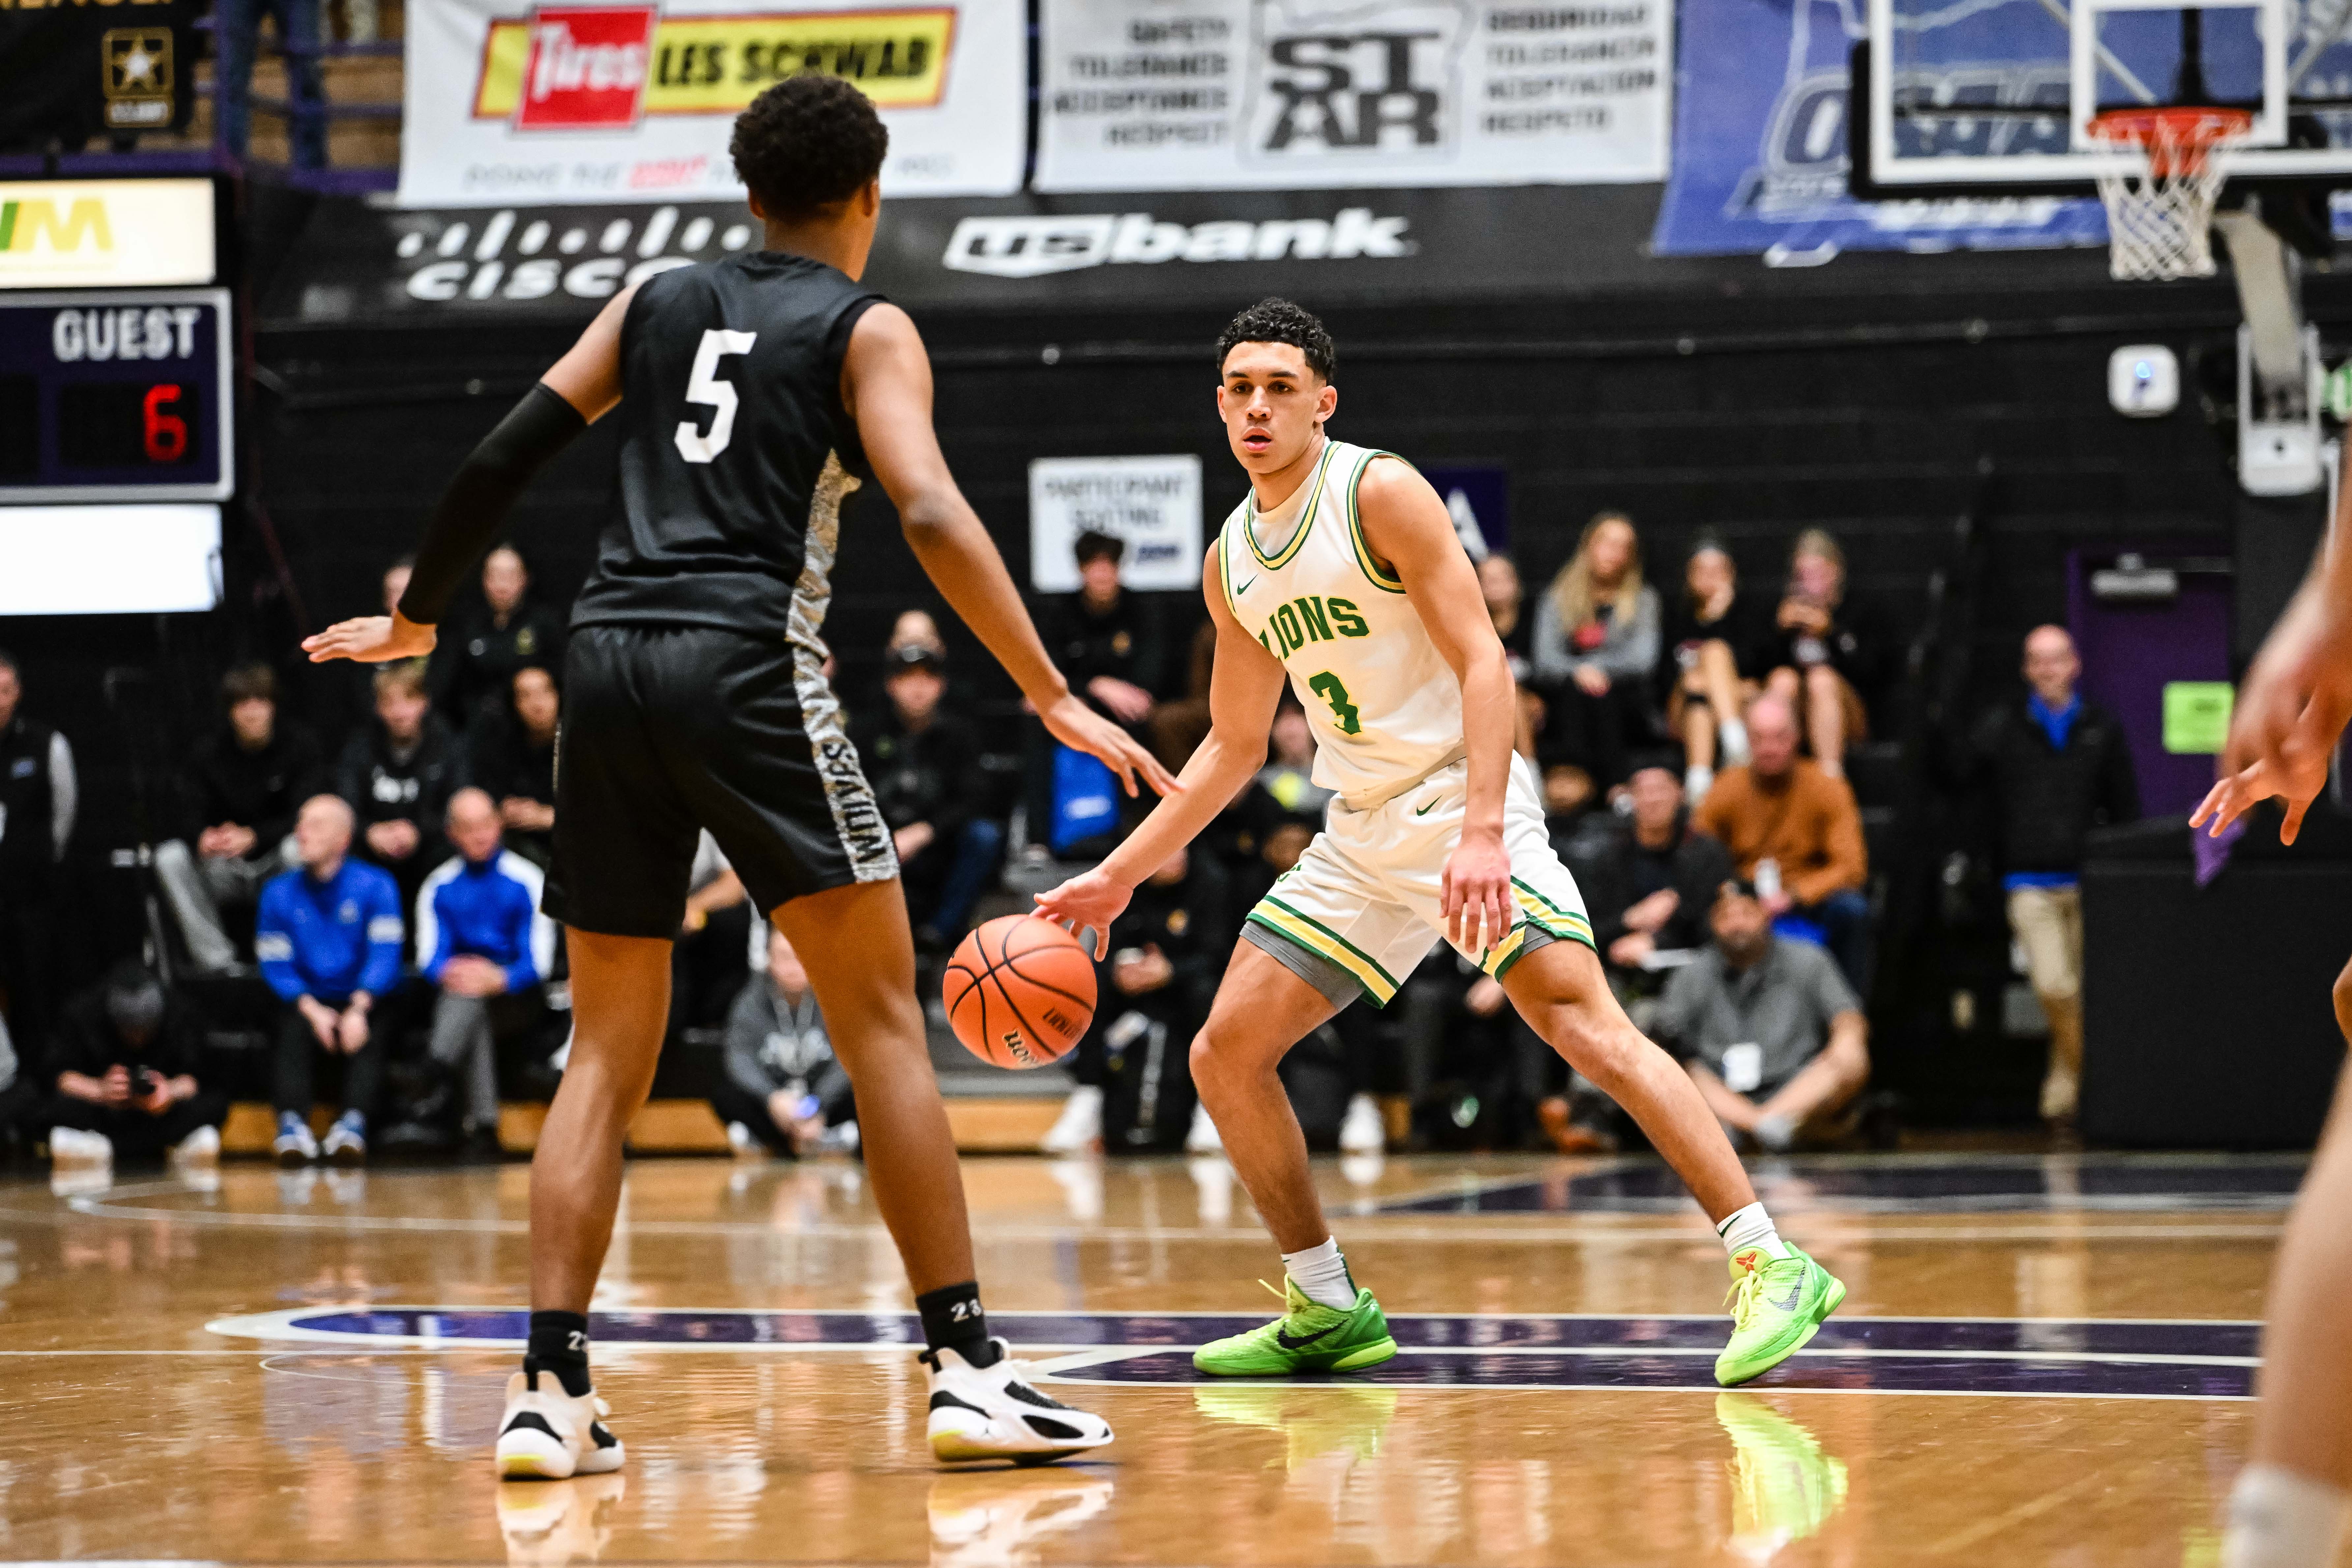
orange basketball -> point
(1019, 992)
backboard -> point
(1992, 97)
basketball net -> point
(2160, 214)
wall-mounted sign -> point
(1152, 504)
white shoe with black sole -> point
(546, 1434)
(994, 1413)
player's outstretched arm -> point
(2291, 707)
(577, 391)
(885, 381)
(1408, 527)
(1244, 686)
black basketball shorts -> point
(668, 729)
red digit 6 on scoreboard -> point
(167, 434)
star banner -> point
(72, 73)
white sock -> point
(1322, 1274)
(1734, 736)
(2282, 1520)
(1750, 1227)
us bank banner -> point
(508, 103)
(1142, 95)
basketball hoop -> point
(2159, 217)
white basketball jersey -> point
(1385, 707)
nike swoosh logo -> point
(1425, 810)
(1796, 1294)
(1287, 1342)
(1244, 587)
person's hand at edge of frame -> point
(1081, 729)
(370, 639)
(2290, 713)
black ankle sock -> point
(559, 1343)
(953, 1320)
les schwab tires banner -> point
(509, 103)
(1313, 94)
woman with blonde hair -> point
(1832, 651)
(1596, 640)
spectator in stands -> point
(37, 797)
(237, 37)
(1834, 648)
(1596, 641)
(1168, 951)
(395, 581)
(243, 786)
(1108, 642)
(2057, 765)
(1181, 724)
(1652, 878)
(1794, 831)
(924, 763)
(1719, 644)
(782, 1087)
(515, 762)
(1770, 1031)
(1284, 807)
(475, 662)
(328, 938)
(482, 942)
(397, 774)
(914, 629)
(1498, 585)
(124, 1061)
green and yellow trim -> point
(1305, 517)
(1387, 581)
(1225, 566)
(1312, 935)
(1538, 913)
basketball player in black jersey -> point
(755, 393)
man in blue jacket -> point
(479, 936)
(327, 939)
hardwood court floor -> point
(305, 1369)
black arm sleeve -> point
(479, 496)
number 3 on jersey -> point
(705, 387)
(1330, 688)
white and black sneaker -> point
(993, 1413)
(547, 1435)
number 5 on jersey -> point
(705, 387)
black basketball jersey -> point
(736, 451)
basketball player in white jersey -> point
(2292, 1505)
(1342, 572)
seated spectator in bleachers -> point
(1718, 645)
(924, 763)
(484, 947)
(914, 629)
(782, 1087)
(1467, 1052)
(397, 773)
(1794, 830)
(1596, 641)
(243, 786)
(1167, 951)
(1832, 651)
(328, 938)
(1498, 585)
(514, 760)
(2057, 765)
(1108, 644)
(474, 663)
(38, 796)
(1649, 877)
(1282, 808)
(1768, 1028)
(1181, 723)
(124, 1062)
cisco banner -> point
(1760, 123)
(508, 103)
(1141, 95)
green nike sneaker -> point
(1310, 1336)
(1777, 1304)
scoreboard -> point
(123, 395)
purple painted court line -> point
(1925, 1187)
(2080, 1380)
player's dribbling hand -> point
(2290, 713)
(370, 639)
(1475, 893)
(1081, 729)
(1091, 901)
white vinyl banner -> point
(1152, 504)
(509, 103)
(1142, 95)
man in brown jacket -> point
(1795, 833)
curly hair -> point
(1277, 321)
(807, 143)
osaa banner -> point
(511, 103)
(1311, 94)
